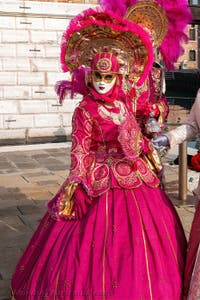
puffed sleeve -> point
(81, 141)
(62, 205)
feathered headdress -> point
(98, 30)
(176, 12)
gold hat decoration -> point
(151, 17)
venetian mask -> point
(103, 82)
(105, 68)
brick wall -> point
(29, 67)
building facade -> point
(192, 53)
(190, 59)
(29, 62)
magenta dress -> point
(129, 245)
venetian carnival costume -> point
(149, 101)
(110, 232)
(174, 137)
(165, 21)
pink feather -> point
(179, 16)
(117, 6)
(62, 88)
(76, 86)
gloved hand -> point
(74, 201)
(160, 142)
(81, 202)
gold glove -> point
(66, 203)
(154, 161)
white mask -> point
(102, 82)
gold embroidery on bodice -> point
(106, 113)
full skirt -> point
(129, 246)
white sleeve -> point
(191, 127)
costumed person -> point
(110, 232)
(149, 101)
(165, 21)
(176, 136)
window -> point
(192, 55)
(194, 2)
(192, 33)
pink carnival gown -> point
(129, 245)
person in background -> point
(174, 137)
(165, 22)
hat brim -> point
(102, 31)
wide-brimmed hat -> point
(96, 31)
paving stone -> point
(49, 177)
(61, 150)
(12, 193)
(5, 290)
(9, 211)
(16, 239)
(186, 214)
(53, 189)
(38, 170)
(20, 159)
(9, 171)
(13, 203)
(8, 261)
(5, 165)
(56, 167)
(11, 224)
(3, 157)
(46, 159)
(15, 158)
(11, 181)
(38, 194)
(39, 156)
(63, 174)
(36, 174)
(29, 209)
(33, 220)
(46, 182)
(24, 166)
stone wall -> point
(29, 67)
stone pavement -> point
(29, 177)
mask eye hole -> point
(98, 75)
(109, 77)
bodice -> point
(98, 155)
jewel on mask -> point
(104, 64)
